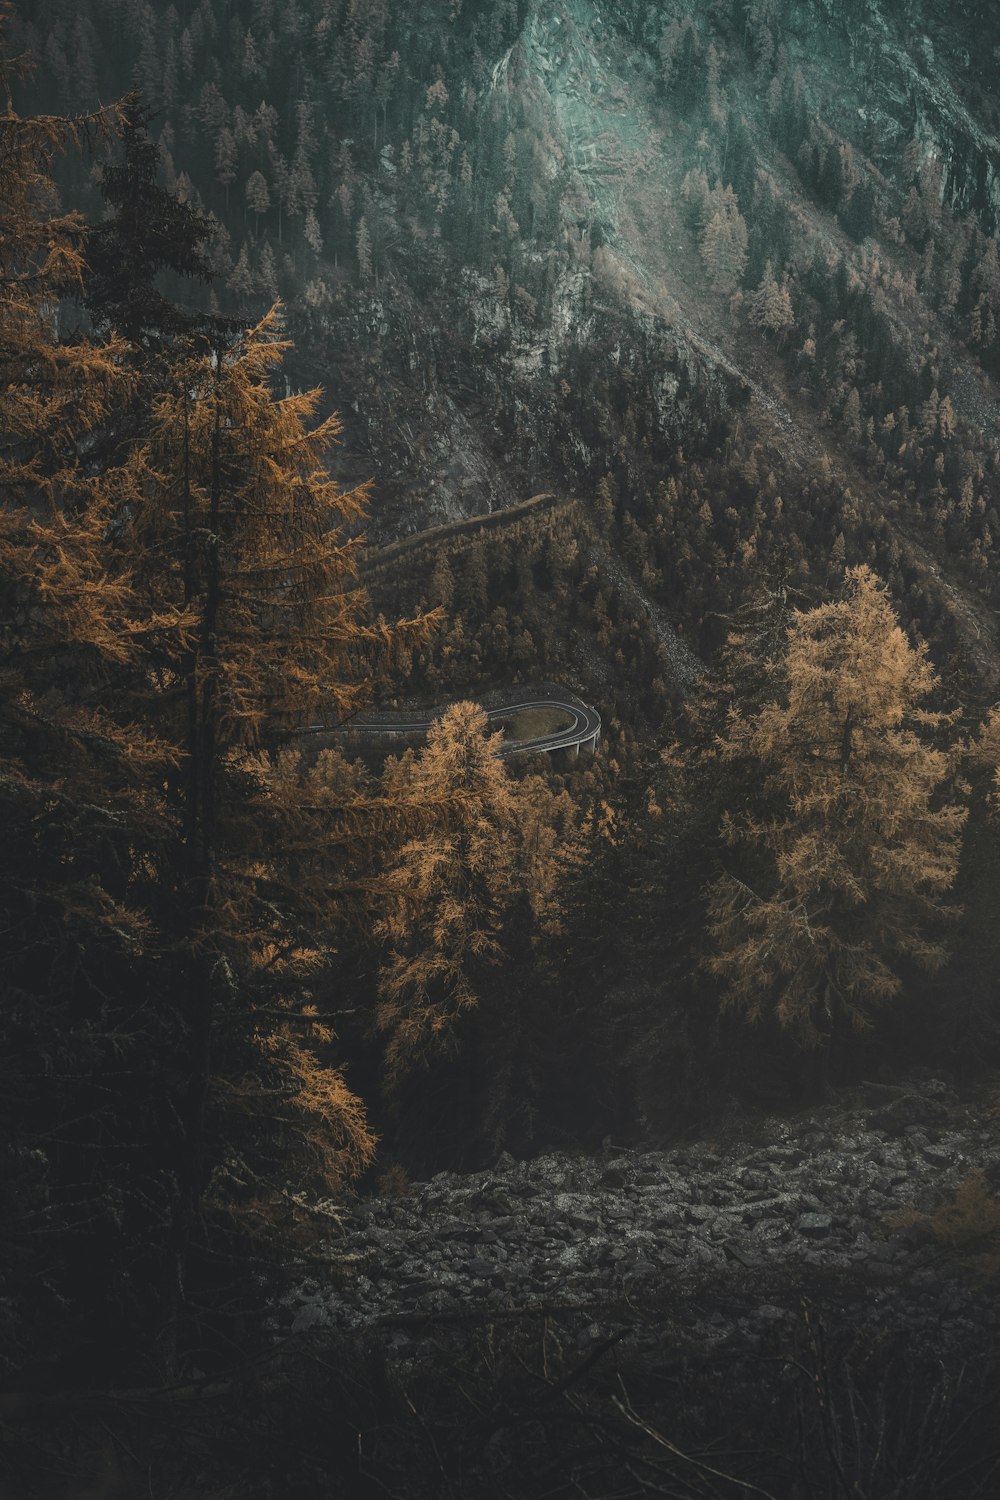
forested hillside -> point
(685, 257)
(360, 357)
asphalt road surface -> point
(584, 722)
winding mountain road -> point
(581, 732)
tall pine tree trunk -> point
(200, 1005)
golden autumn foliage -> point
(723, 239)
(446, 898)
(170, 618)
(770, 306)
(987, 750)
(87, 1033)
(967, 1225)
(243, 516)
(54, 515)
(72, 764)
(840, 881)
(55, 389)
(242, 527)
(494, 849)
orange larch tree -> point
(242, 528)
(480, 877)
(83, 824)
(170, 615)
(846, 878)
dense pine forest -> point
(400, 1095)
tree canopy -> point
(845, 879)
(180, 600)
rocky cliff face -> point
(914, 72)
(507, 356)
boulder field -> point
(730, 1225)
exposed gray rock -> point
(815, 1225)
(571, 1230)
(911, 1109)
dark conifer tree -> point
(149, 233)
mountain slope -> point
(546, 245)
